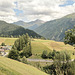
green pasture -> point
(12, 67)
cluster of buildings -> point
(3, 49)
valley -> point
(37, 37)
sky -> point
(29, 10)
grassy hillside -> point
(10, 29)
(50, 44)
(8, 41)
(55, 30)
(38, 46)
(12, 67)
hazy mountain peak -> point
(30, 25)
(37, 20)
(55, 29)
(11, 29)
(20, 21)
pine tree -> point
(23, 44)
(13, 54)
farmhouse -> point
(2, 52)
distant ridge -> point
(11, 29)
(55, 29)
(22, 23)
(30, 25)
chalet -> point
(2, 52)
(5, 47)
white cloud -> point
(34, 9)
(6, 10)
(44, 9)
(73, 0)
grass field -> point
(7, 41)
(38, 46)
(12, 67)
(50, 44)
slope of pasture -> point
(7, 41)
(12, 67)
(58, 46)
(37, 49)
(38, 46)
(50, 45)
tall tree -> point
(23, 46)
(70, 37)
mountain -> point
(35, 24)
(30, 25)
(13, 67)
(55, 29)
(11, 29)
(22, 23)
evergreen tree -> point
(23, 46)
(44, 54)
(50, 55)
(3, 44)
(24, 60)
(70, 37)
(13, 54)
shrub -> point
(3, 44)
(13, 54)
(24, 60)
(50, 55)
(44, 54)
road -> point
(43, 60)
(39, 60)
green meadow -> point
(7, 41)
(13, 67)
(38, 46)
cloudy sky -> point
(28, 10)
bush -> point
(27, 51)
(44, 55)
(13, 54)
(50, 55)
(3, 44)
(24, 60)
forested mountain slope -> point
(55, 29)
(11, 29)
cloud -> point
(73, 0)
(6, 10)
(37, 7)
(28, 10)
(44, 9)
(40, 9)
